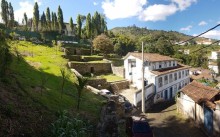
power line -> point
(199, 35)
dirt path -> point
(166, 122)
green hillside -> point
(28, 107)
(137, 32)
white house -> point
(163, 71)
(213, 61)
(202, 104)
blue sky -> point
(187, 16)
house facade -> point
(167, 75)
(213, 61)
(202, 104)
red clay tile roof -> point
(199, 92)
(152, 57)
(170, 70)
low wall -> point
(96, 68)
(99, 83)
(119, 85)
(92, 58)
(73, 57)
(76, 51)
(149, 92)
(118, 71)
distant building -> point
(204, 42)
(167, 75)
(213, 61)
(200, 73)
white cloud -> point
(158, 12)
(122, 8)
(95, 3)
(183, 4)
(202, 23)
(215, 34)
(25, 6)
(188, 28)
(218, 22)
(116, 9)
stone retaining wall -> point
(99, 83)
(119, 85)
(119, 71)
(76, 51)
(95, 68)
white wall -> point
(213, 67)
(183, 78)
(214, 55)
(138, 95)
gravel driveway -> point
(166, 122)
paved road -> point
(166, 122)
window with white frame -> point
(170, 78)
(175, 76)
(170, 63)
(160, 82)
(183, 72)
(175, 88)
(179, 74)
(160, 65)
(165, 79)
(187, 72)
(165, 64)
(132, 62)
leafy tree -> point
(60, 18)
(6, 57)
(11, 15)
(80, 87)
(71, 24)
(25, 19)
(164, 47)
(4, 13)
(48, 18)
(103, 44)
(43, 22)
(79, 26)
(36, 16)
(123, 45)
(88, 26)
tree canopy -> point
(103, 44)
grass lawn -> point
(112, 77)
(41, 62)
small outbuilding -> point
(202, 104)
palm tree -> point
(80, 87)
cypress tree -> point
(11, 15)
(79, 26)
(71, 25)
(88, 26)
(48, 18)
(36, 16)
(60, 18)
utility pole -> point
(143, 88)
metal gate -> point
(208, 120)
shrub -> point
(71, 127)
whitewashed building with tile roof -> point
(167, 75)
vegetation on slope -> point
(31, 93)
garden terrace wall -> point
(119, 71)
(117, 86)
(99, 83)
(76, 51)
(73, 57)
(95, 68)
(92, 58)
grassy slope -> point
(28, 74)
